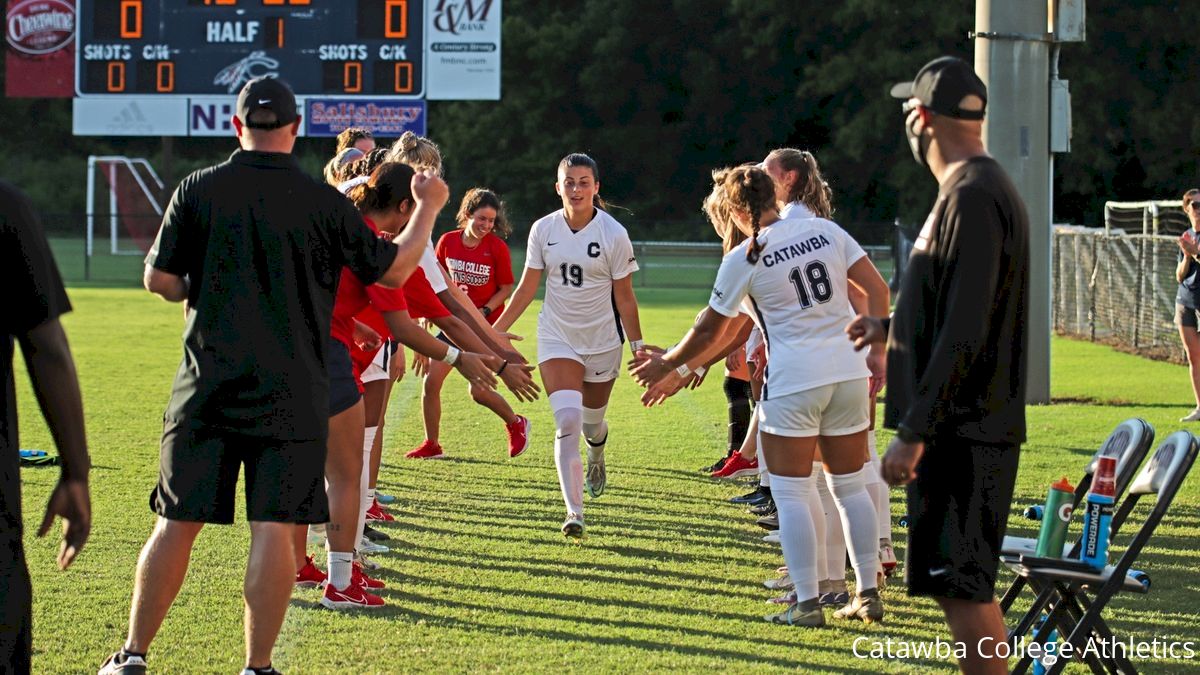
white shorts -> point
(378, 370)
(602, 367)
(837, 409)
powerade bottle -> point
(1097, 519)
(1056, 517)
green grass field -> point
(480, 578)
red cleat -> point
(358, 576)
(354, 596)
(518, 436)
(427, 450)
(737, 466)
(310, 576)
(376, 514)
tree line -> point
(662, 93)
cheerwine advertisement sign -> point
(41, 48)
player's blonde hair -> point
(716, 207)
(416, 151)
(337, 169)
(745, 188)
(477, 198)
(810, 187)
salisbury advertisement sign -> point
(40, 61)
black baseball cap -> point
(942, 84)
(267, 93)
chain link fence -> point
(1116, 284)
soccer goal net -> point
(124, 204)
(1116, 284)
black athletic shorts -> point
(1186, 317)
(958, 510)
(343, 388)
(198, 474)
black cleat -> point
(761, 495)
(763, 509)
(374, 535)
(769, 523)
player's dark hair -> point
(366, 164)
(389, 185)
(579, 159)
(749, 188)
(478, 198)
(810, 187)
(352, 135)
(1188, 197)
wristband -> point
(485, 310)
(908, 435)
(635, 345)
(700, 371)
(451, 356)
(502, 367)
(683, 370)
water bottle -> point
(1033, 512)
(1097, 520)
(1056, 517)
(1049, 655)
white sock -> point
(858, 520)
(595, 431)
(370, 495)
(764, 474)
(835, 539)
(796, 533)
(881, 497)
(340, 566)
(568, 422)
(363, 480)
(817, 511)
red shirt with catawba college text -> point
(479, 271)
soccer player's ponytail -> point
(388, 186)
(748, 189)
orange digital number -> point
(280, 40)
(403, 77)
(131, 19)
(286, 2)
(220, 2)
(116, 76)
(395, 26)
(166, 77)
(352, 77)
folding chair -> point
(1075, 614)
(1129, 442)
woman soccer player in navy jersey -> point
(589, 308)
(792, 276)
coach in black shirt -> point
(34, 299)
(956, 359)
(255, 247)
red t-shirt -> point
(423, 303)
(352, 297)
(479, 271)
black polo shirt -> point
(956, 345)
(263, 245)
(33, 294)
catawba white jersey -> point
(797, 295)
(579, 268)
(433, 271)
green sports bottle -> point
(1055, 519)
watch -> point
(485, 310)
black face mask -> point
(918, 143)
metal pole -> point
(1012, 56)
(91, 218)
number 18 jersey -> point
(797, 295)
(579, 267)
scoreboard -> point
(343, 48)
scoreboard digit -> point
(345, 48)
